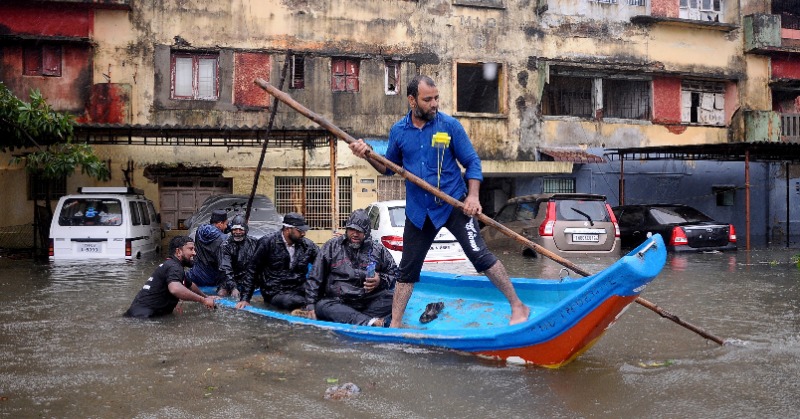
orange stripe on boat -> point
(568, 345)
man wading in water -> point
(430, 144)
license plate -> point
(89, 248)
(586, 238)
(440, 247)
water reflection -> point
(68, 352)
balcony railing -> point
(790, 128)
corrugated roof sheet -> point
(574, 155)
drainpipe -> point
(334, 187)
(747, 198)
(621, 181)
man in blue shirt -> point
(431, 144)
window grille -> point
(605, 1)
(37, 188)
(558, 185)
(391, 188)
(789, 10)
(637, 2)
(629, 99)
(569, 96)
(318, 212)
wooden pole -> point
(323, 122)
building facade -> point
(165, 92)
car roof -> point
(392, 203)
(556, 196)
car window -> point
(527, 211)
(374, 217)
(577, 210)
(631, 217)
(397, 215)
(674, 215)
(135, 216)
(91, 212)
(507, 213)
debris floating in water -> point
(341, 392)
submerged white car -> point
(388, 219)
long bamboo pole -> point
(323, 122)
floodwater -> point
(67, 352)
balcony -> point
(768, 34)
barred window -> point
(558, 185)
(391, 188)
(570, 96)
(629, 99)
(313, 199)
(298, 64)
(37, 188)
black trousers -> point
(287, 300)
(416, 243)
(355, 312)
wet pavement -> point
(67, 352)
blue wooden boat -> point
(567, 316)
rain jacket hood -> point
(359, 220)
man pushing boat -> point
(431, 144)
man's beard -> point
(425, 116)
(187, 262)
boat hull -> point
(568, 315)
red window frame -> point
(195, 76)
(344, 75)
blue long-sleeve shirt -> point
(410, 147)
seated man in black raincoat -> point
(280, 264)
(236, 253)
(354, 276)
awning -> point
(573, 155)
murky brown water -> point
(67, 352)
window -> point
(568, 96)
(605, 1)
(637, 2)
(558, 185)
(392, 79)
(391, 188)
(37, 188)
(790, 13)
(478, 88)
(313, 199)
(194, 76)
(703, 103)
(344, 75)
(581, 96)
(136, 217)
(725, 195)
(629, 99)
(705, 10)
(42, 60)
(91, 212)
(298, 65)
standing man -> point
(431, 144)
(235, 254)
(354, 276)
(169, 284)
(208, 239)
(280, 265)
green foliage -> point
(36, 124)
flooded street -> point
(67, 352)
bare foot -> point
(519, 314)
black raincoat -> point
(272, 270)
(233, 260)
(340, 270)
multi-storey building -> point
(165, 92)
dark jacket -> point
(233, 260)
(207, 242)
(271, 268)
(340, 270)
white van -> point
(104, 222)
